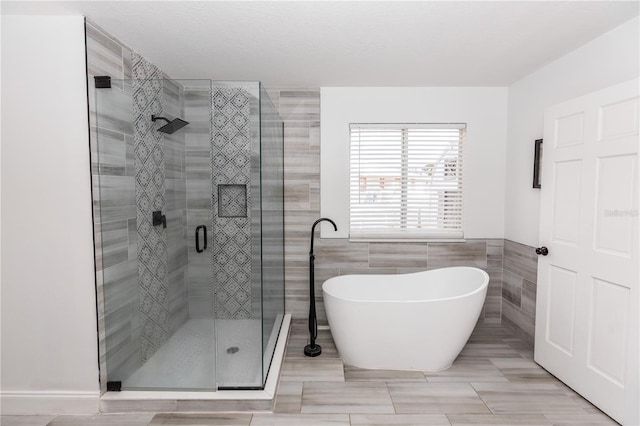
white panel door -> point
(587, 302)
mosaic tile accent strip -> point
(232, 201)
(230, 161)
(150, 196)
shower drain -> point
(232, 350)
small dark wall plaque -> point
(537, 164)
(232, 200)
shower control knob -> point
(542, 250)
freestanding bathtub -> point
(417, 321)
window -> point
(406, 181)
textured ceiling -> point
(344, 43)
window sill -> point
(405, 240)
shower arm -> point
(155, 118)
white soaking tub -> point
(418, 321)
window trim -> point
(411, 235)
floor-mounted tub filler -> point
(418, 321)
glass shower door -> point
(153, 210)
(188, 190)
(272, 206)
(249, 226)
(237, 221)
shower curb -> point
(220, 401)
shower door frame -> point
(97, 163)
(104, 125)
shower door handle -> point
(204, 229)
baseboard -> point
(49, 402)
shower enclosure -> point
(190, 230)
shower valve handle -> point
(159, 219)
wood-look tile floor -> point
(494, 381)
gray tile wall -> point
(114, 202)
(300, 110)
(160, 186)
(197, 111)
(340, 257)
(256, 191)
(519, 288)
(272, 150)
(150, 196)
(131, 327)
(173, 99)
(231, 163)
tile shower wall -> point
(122, 327)
(519, 289)
(150, 196)
(231, 158)
(300, 110)
(173, 100)
(197, 161)
(162, 255)
(272, 159)
(113, 179)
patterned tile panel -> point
(231, 165)
(150, 196)
(232, 201)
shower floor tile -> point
(244, 367)
(187, 361)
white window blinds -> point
(406, 181)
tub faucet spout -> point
(312, 349)
(313, 228)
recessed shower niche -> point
(190, 232)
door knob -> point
(542, 250)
